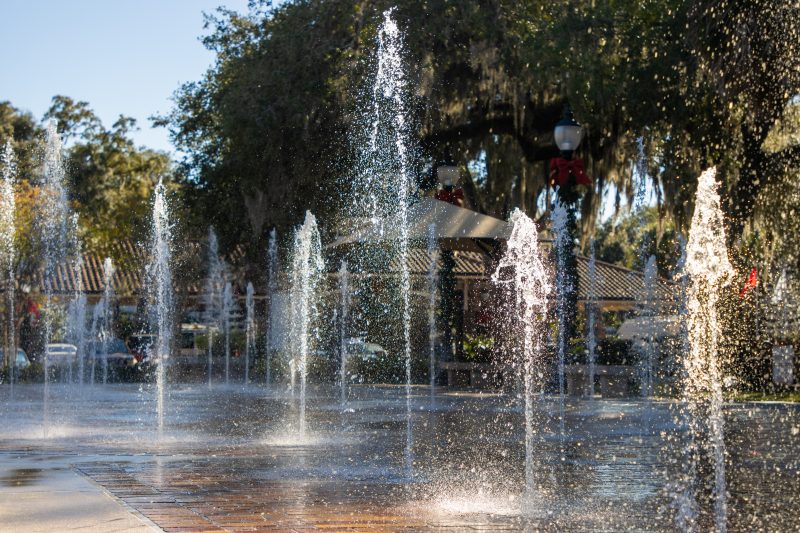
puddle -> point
(21, 477)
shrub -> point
(615, 351)
(478, 348)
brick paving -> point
(191, 500)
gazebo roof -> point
(454, 227)
(471, 236)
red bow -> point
(454, 196)
(33, 309)
(561, 169)
(752, 282)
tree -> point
(630, 240)
(675, 85)
(112, 179)
(25, 134)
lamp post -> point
(447, 174)
(567, 174)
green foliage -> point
(238, 342)
(478, 348)
(613, 351)
(266, 130)
(113, 180)
(630, 240)
(25, 135)
(34, 373)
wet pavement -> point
(230, 459)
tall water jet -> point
(564, 284)
(649, 312)
(97, 317)
(433, 280)
(272, 289)
(344, 317)
(160, 276)
(591, 317)
(640, 172)
(108, 312)
(76, 320)
(7, 256)
(683, 494)
(383, 181)
(522, 272)
(55, 225)
(212, 297)
(307, 269)
(386, 174)
(708, 268)
(227, 309)
(250, 330)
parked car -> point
(22, 361)
(118, 353)
(368, 362)
(368, 351)
(61, 353)
(189, 335)
(644, 327)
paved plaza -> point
(230, 460)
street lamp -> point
(566, 172)
(568, 134)
(568, 175)
(447, 175)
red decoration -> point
(33, 309)
(562, 169)
(751, 283)
(452, 196)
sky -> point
(122, 56)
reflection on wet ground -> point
(231, 459)
(20, 477)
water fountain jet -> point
(108, 313)
(649, 311)
(250, 330)
(563, 244)
(433, 279)
(212, 297)
(8, 255)
(344, 316)
(591, 312)
(523, 273)
(56, 241)
(160, 275)
(272, 289)
(227, 309)
(307, 269)
(708, 268)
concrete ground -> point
(44, 493)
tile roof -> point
(614, 283)
(129, 270)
